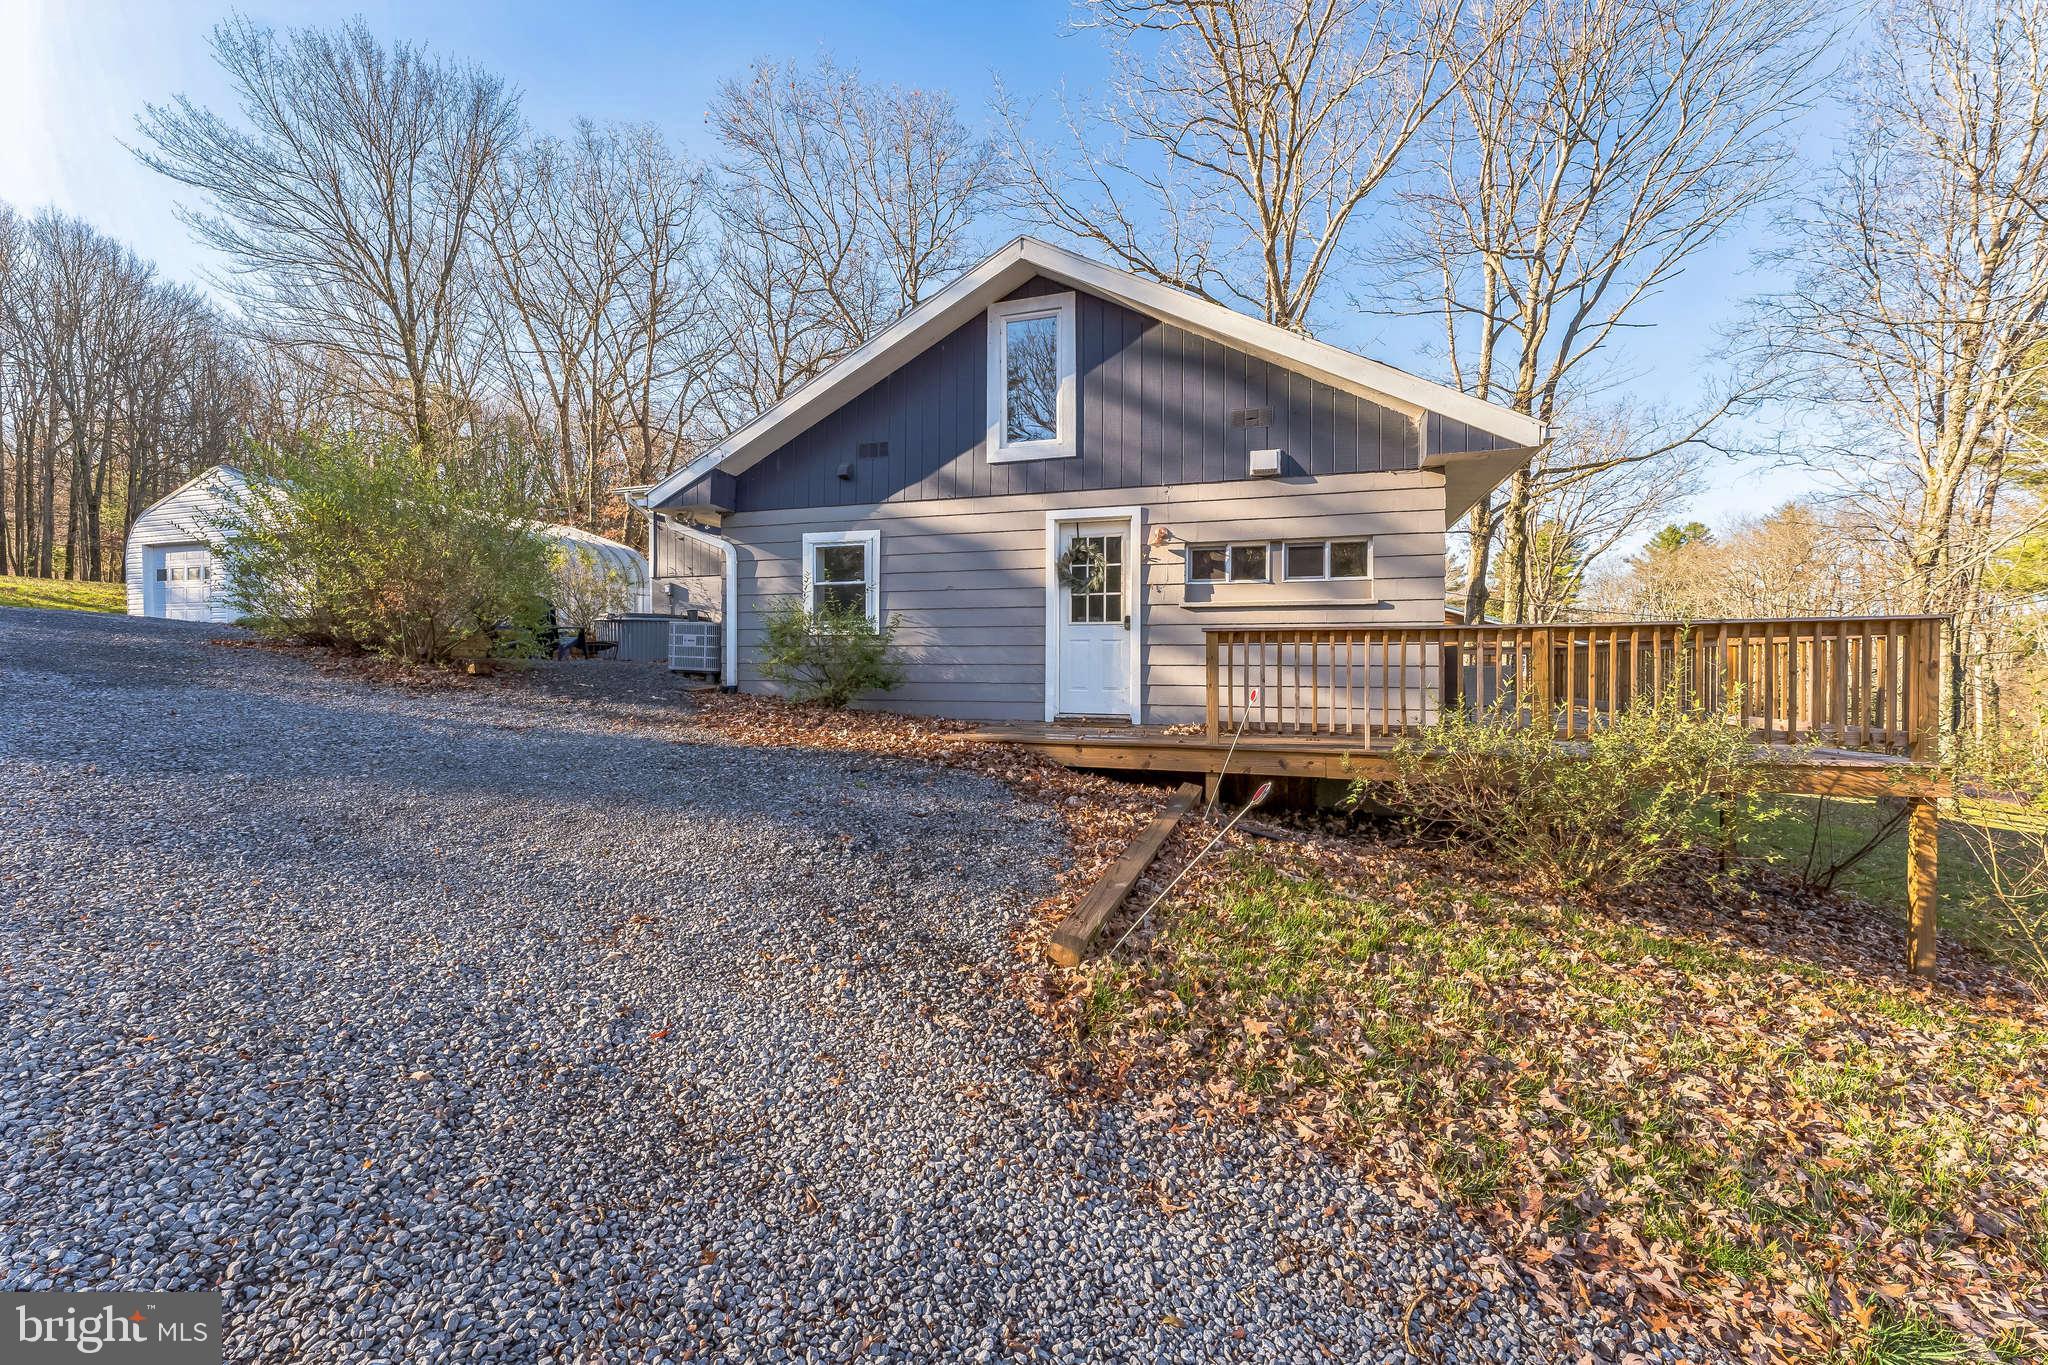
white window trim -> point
(1326, 576)
(1064, 446)
(1134, 589)
(871, 539)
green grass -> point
(1905, 1339)
(62, 593)
(1812, 833)
(1583, 1072)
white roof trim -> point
(1025, 257)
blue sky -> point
(74, 73)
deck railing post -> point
(1925, 740)
(1540, 701)
(1211, 659)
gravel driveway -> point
(476, 1025)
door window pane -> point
(1305, 560)
(1031, 380)
(1095, 579)
(1247, 563)
(1350, 559)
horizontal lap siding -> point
(964, 580)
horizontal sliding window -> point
(1316, 560)
(1244, 562)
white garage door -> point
(181, 582)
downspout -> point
(653, 555)
(729, 650)
(639, 495)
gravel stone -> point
(491, 1024)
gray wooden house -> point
(1053, 475)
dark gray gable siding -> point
(1155, 408)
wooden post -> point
(1922, 848)
(1724, 834)
(1926, 711)
(1540, 713)
(1211, 644)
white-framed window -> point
(1317, 560)
(1031, 379)
(843, 569)
(1247, 561)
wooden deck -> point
(1834, 707)
(1188, 751)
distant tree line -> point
(114, 384)
(403, 257)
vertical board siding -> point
(1154, 411)
(686, 574)
(965, 580)
(1448, 435)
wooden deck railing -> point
(1868, 682)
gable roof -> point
(1012, 265)
(220, 473)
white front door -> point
(1094, 619)
(183, 582)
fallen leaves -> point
(1738, 1117)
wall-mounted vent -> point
(846, 469)
(1251, 417)
(1265, 464)
(872, 450)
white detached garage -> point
(171, 572)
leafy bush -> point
(584, 590)
(1608, 812)
(829, 656)
(367, 545)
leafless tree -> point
(345, 202)
(1607, 481)
(668, 348)
(13, 394)
(596, 302)
(1591, 152)
(1241, 137)
(779, 328)
(847, 202)
(1919, 310)
(928, 179)
(114, 385)
(1800, 559)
